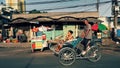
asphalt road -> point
(23, 58)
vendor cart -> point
(38, 42)
(41, 35)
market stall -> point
(39, 40)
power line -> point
(43, 2)
(105, 12)
(88, 9)
(92, 4)
(101, 3)
(75, 12)
(48, 2)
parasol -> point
(95, 27)
(102, 27)
(42, 28)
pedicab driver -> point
(87, 36)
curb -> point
(115, 48)
(16, 45)
(28, 45)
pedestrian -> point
(35, 30)
(113, 36)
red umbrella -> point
(95, 27)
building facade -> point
(16, 4)
(62, 21)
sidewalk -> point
(113, 47)
(16, 45)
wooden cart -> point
(38, 43)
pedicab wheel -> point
(67, 56)
(94, 54)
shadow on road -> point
(29, 63)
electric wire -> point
(43, 2)
(38, 3)
(92, 4)
(48, 2)
(105, 12)
(88, 9)
(67, 7)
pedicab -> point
(71, 51)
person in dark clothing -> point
(112, 34)
(113, 37)
(22, 37)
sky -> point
(104, 9)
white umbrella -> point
(42, 28)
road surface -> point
(23, 58)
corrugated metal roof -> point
(54, 16)
(59, 14)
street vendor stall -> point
(41, 36)
(38, 41)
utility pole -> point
(115, 10)
(97, 5)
